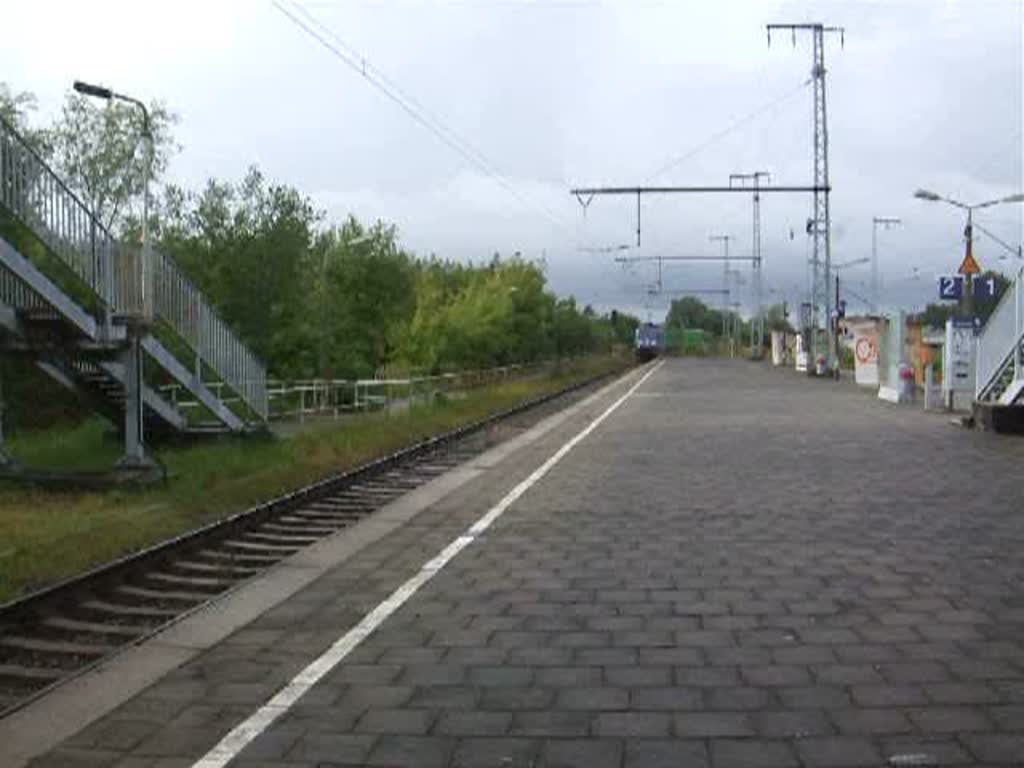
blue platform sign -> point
(951, 287)
(984, 287)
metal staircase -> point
(1000, 366)
(108, 321)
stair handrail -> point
(33, 192)
(22, 170)
(999, 339)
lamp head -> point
(88, 89)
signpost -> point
(865, 350)
(958, 358)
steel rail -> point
(76, 591)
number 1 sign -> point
(984, 287)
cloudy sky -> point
(547, 95)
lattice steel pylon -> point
(757, 321)
(819, 225)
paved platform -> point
(737, 567)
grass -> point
(47, 536)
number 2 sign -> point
(951, 287)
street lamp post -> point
(924, 194)
(102, 92)
(886, 222)
(135, 450)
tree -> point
(100, 153)
(776, 319)
(248, 247)
(368, 298)
(691, 312)
(15, 108)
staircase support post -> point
(5, 460)
(1018, 303)
(134, 444)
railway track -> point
(55, 634)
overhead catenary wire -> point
(739, 123)
(322, 34)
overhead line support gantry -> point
(820, 225)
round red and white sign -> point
(866, 350)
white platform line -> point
(248, 730)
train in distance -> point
(650, 341)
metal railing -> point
(37, 197)
(14, 293)
(308, 398)
(1000, 340)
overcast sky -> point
(925, 93)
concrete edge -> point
(47, 722)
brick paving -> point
(741, 567)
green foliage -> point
(483, 316)
(349, 302)
(15, 108)
(340, 302)
(99, 151)
(248, 248)
(777, 319)
(366, 298)
(690, 312)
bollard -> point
(929, 384)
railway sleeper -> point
(348, 516)
(215, 567)
(256, 558)
(255, 546)
(314, 522)
(130, 611)
(199, 582)
(299, 540)
(56, 647)
(95, 627)
(163, 595)
(294, 525)
(327, 506)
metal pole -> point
(757, 326)
(821, 293)
(874, 266)
(1018, 354)
(876, 288)
(969, 279)
(147, 287)
(835, 328)
(822, 229)
(757, 323)
(724, 239)
(638, 218)
(134, 450)
(4, 458)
